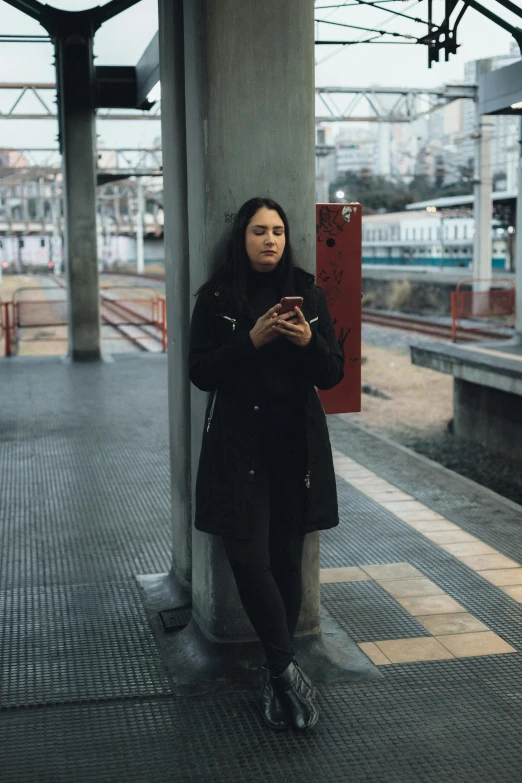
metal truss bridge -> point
(333, 104)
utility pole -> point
(518, 249)
(140, 256)
(482, 212)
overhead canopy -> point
(499, 90)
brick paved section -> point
(84, 506)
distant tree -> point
(380, 194)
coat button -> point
(256, 408)
(216, 293)
(251, 472)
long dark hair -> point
(231, 276)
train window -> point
(42, 242)
(21, 243)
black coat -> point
(228, 484)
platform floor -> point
(424, 572)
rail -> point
(493, 306)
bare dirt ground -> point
(420, 400)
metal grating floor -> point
(84, 696)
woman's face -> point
(265, 240)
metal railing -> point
(493, 307)
(135, 316)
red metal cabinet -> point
(339, 275)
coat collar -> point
(303, 283)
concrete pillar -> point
(518, 248)
(75, 79)
(483, 208)
(167, 591)
(249, 85)
(140, 259)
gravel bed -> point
(492, 470)
(382, 337)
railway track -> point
(133, 325)
(418, 325)
(140, 332)
(425, 326)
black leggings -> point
(268, 567)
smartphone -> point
(289, 302)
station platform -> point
(424, 573)
(487, 398)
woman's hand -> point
(298, 332)
(263, 332)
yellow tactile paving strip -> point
(455, 632)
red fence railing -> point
(490, 301)
(139, 317)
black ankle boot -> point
(295, 695)
(274, 714)
(308, 682)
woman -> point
(266, 475)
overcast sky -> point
(122, 41)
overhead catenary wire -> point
(366, 29)
(377, 5)
(362, 40)
(351, 5)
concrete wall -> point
(489, 417)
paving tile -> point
(431, 525)
(417, 515)
(383, 497)
(503, 576)
(340, 455)
(374, 654)
(366, 482)
(409, 650)
(468, 645)
(449, 536)
(358, 472)
(469, 548)
(430, 604)
(485, 562)
(402, 588)
(514, 591)
(406, 506)
(392, 571)
(457, 622)
(349, 574)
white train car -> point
(421, 238)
